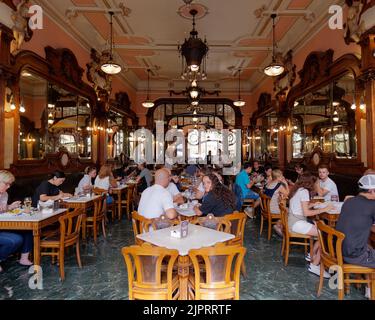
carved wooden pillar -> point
(368, 77)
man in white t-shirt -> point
(156, 200)
(325, 186)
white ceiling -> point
(148, 36)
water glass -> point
(27, 203)
(334, 198)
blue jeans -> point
(251, 195)
(10, 242)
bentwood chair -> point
(70, 226)
(109, 207)
(221, 279)
(292, 238)
(162, 222)
(237, 228)
(128, 202)
(98, 218)
(331, 256)
(146, 276)
(140, 225)
(266, 214)
(212, 222)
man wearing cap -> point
(356, 221)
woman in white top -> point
(86, 182)
(299, 209)
(105, 179)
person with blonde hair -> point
(11, 241)
(105, 179)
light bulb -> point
(194, 103)
(148, 104)
(194, 83)
(51, 105)
(239, 103)
(362, 106)
(194, 93)
(353, 106)
(296, 103)
(50, 121)
(12, 106)
(22, 109)
(194, 67)
(195, 112)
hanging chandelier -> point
(110, 66)
(275, 68)
(239, 102)
(148, 103)
(194, 52)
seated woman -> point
(11, 241)
(300, 169)
(85, 185)
(274, 189)
(48, 190)
(267, 174)
(106, 181)
(218, 200)
(299, 209)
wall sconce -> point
(362, 104)
(10, 100)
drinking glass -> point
(27, 203)
(334, 198)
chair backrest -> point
(140, 224)
(144, 265)
(237, 225)
(162, 222)
(284, 216)
(222, 277)
(99, 191)
(70, 226)
(239, 197)
(100, 207)
(265, 203)
(212, 222)
(331, 244)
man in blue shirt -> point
(245, 184)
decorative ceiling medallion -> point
(184, 11)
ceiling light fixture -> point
(194, 50)
(239, 102)
(110, 67)
(275, 68)
(22, 108)
(148, 103)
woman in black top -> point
(48, 190)
(218, 199)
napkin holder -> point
(46, 207)
(180, 231)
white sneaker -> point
(368, 293)
(307, 257)
(316, 270)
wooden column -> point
(368, 77)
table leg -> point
(36, 234)
(183, 274)
(84, 227)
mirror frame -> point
(318, 71)
(61, 68)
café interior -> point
(287, 84)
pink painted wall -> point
(54, 36)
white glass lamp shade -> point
(239, 103)
(194, 68)
(274, 69)
(148, 104)
(194, 93)
(111, 68)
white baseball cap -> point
(367, 182)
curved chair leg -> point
(283, 246)
(243, 269)
(103, 228)
(321, 278)
(78, 253)
(61, 264)
(269, 229)
(95, 232)
(287, 248)
(261, 225)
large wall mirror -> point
(325, 118)
(53, 120)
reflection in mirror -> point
(69, 122)
(115, 135)
(33, 102)
(325, 118)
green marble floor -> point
(104, 276)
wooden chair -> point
(288, 236)
(237, 228)
(128, 202)
(147, 280)
(93, 222)
(266, 214)
(111, 207)
(221, 281)
(162, 222)
(140, 225)
(70, 226)
(212, 222)
(331, 255)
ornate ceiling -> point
(147, 33)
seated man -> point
(356, 221)
(325, 187)
(245, 184)
(156, 200)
